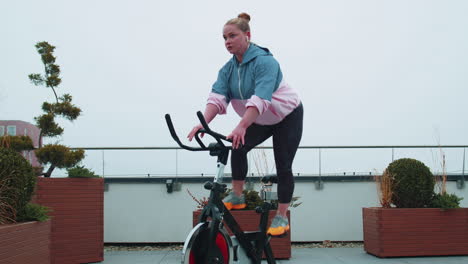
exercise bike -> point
(209, 242)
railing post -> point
(176, 163)
(463, 171)
(320, 162)
(319, 183)
(103, 164)
(461, 185)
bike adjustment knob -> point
(208, 185)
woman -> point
(253, 83)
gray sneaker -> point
(279, 226)
(232, 201)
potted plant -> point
(248, 220)
(77, 202)
(25, 227)
(413, 220)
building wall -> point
(22, 128)
(146, 212)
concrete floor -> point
(299, 256)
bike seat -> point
(270, 179)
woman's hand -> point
(194, 131)
(210, 113)
(237, 136)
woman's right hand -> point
(194, 131)
(210, 113)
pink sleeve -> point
(219, 101)
(262, 105)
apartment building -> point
(22, 128)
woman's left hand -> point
(237, 136)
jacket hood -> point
(254, 51)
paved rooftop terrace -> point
(299, 256)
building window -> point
(11, 130)
(2, 131)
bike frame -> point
(254, 243)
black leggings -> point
(286, 137)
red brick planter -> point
(25, 243)
(249, 220)
(398, 232)
(78, 218)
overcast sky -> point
(368, 72)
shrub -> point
(18, 143)
(384, 187)
(412, 183)
(81, 172)
(252, 199)
(33, 212)
(18, 179)
(201, 203)
(7, 211)
(446, 201)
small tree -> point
(54, 155)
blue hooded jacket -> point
(259, 74)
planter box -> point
(78, 218)
(398, 232)
(25, 243)
(249, 220)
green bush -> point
(252, 199)
(33, 212)
(412, 183)
(81, 172)
(446, 201)
(18, 143)
(7, 211)
(18, 179)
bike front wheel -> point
(196, 249)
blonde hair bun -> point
(244, 16)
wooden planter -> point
(25, 243)
(78, 218)
(398, 232)
(249, 220)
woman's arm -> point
(238, 134)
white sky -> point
(369, 72)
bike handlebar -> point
(206, 129)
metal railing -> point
(321, 163)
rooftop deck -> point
(299, 256)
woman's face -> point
(235, 40)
